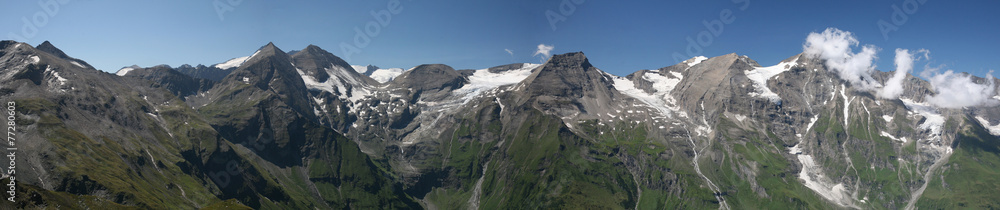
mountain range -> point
(307, 130)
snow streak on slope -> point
(887, 135)
(78, 65)
(60, 79)
(814, 178)
(934, 120)
(760, 75)
(660, 99)
(232, 63)
(353, 90)
(994, 129)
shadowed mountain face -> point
(308, 131)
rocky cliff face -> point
(309, 131)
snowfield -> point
(760, 75)
(233, 63)
(353, 90)
(483, 80)
(124, 71)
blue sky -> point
(618, 36)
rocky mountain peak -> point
(567, 75)
(314, 61)
(712, 83)
(430, 77)
(51, 49)
(568, 85)
(270, 70)
(48, 47)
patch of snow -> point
(663, 85)
(740, 117)
(34, 59)
(254, 54)
(886, 134)
(812, 122)
(660, 99)
(499, 103)
(233, 63)
(246, 80)
(702, 130)
(934, 122)
(385, 75)
(795, 150)
(887, 118)
(847, 103)
(61, 80)
(817, 181)
(760, 75)
(340, 83)
(695, 60)
(124, 71)
(994, 129)
(77, 64)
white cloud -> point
(835, 46)
(957, 90)
(511, 52)
(904, 64)
(545, 50)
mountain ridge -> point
(718, 132)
